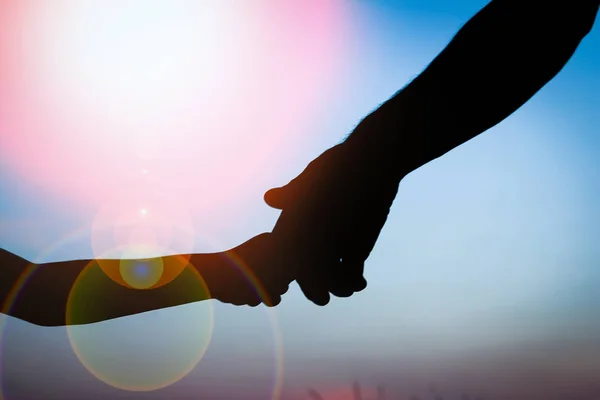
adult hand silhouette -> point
(333, 212)
(499, 59)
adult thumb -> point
(277, 197)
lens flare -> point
(197, 93)
(142, 274)
(104, 346)
(278, 351)
(96, 96)
(138, 227)
(145, 352)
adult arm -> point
(496, 62)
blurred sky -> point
(491, 246)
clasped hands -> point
(331, 217)
(332, 214)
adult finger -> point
(284, 196)
(277, 197)
(350, 279)
(314, 281)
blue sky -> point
(493, 246)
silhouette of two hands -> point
(332, 215)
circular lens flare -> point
(113, 339)
(141, 274)
(92, 93)
(139, 227)
(144, 352)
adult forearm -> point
(498, 60)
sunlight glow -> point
(200, 92)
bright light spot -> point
(120, 233)
(141, 274)
(207, 95)
(137, 59)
